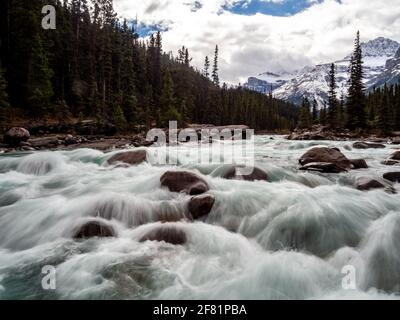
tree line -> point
(377, 110)
(93, 65)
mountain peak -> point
(380, 47)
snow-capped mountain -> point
(312, 82)
(267, 81)
(390, 75)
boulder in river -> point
(395, 156)
(366, 183)
(326, 155)
(392, 176)
(168, 233)
(359, 164)
(368, 145)
(95, 228)
(130, 157)
(183, 181)
(256, 174)
(201, 205)
(15, 136)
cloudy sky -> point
(255, 36)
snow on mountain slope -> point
(390, 75)
(312, 82)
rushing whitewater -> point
(288, 238)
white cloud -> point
(253, 44)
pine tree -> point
(40, 86)
(356, 115)
(215, 77)
(332, 101)
(314, 112)
(119, 119)
(187, 58)
(305, 115)
(323, 115)
(4, 103)
(169, 111)
(206, 70)
(384, 117)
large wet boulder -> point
(167, 233)
(15, 136)
(326, 155)
(392, 176)
(323, 167)
(239, 173)
(366, 183)
(130, 157)
(368, 145)
(359, 164)
(183, 181)
(395, 156)
(201, 206)
(95, 228)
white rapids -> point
(285, 239)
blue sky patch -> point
(278, 8)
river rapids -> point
(288, 238)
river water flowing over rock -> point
(286, 238)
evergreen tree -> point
(384, 117)
(4, 103)
(206, 70)
(169, 111)
(119, 118)
(356, 116)
(332, 101)
(323, 115)
(40, 86)
(305, 115)
(215, 76)
(314, 112)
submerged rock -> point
(183, 181)
(332, 156)
(130, 157)
(368, 145)
(324, 167)
(95, 228)
(395, 156)
(366, 183)
(392, 176)
(201, 205)
(167, 233)
(234, 173)
(15, 136)
(390, 162)
(359, 164)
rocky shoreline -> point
(319, 133)
(87, 134)
(104, 137)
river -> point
(289, 238)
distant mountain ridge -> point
(381, 64)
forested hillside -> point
(95, 66)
